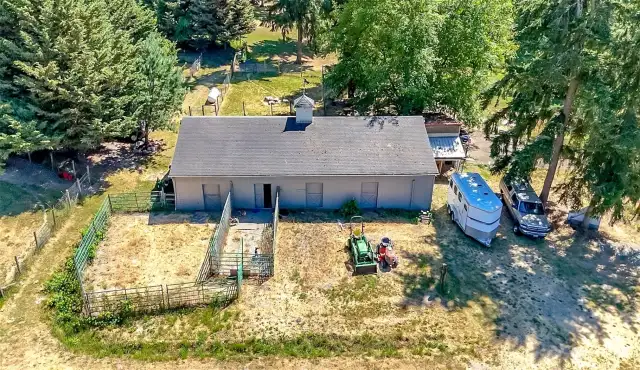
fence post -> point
(190, 111)
(79, 186)
(35, 236)
(244, 110)
(53, 165)
(86, 300)
(110, 206)
(216, 107)
(88, 175)
(53, 214)
(68, 198)
(136, 198)
(290, 108)
(17, 265)
(271, 108)
(73, 166)
(203, 110)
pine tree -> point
(70, 72)
(559, 42)
(220, 21)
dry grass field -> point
(568, 301)
(143, 250)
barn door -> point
(314, 195)
(369, 195)
(212, 199)
(258, 189)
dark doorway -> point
(267, 195)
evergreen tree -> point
(559, 43)
(70, 72)
(220, 21)
(575, 74)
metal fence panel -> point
(218, 292)
(129, 300)
(211, 260)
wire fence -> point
(142, 202)
(216, 244)
(276, 220)
(258, 266)
(148, 299)
(53, 218)
(154, 299)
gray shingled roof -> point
(277, 146)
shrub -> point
(350, 208)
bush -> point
(350, 208)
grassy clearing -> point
(253, 88)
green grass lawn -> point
(252, 88)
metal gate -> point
(369, 195)
(212, 200)
(314, 195)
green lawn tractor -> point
(363, 259)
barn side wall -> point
(393, 191)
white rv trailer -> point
(474, 206)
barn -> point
(314, 162)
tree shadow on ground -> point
(545, 290)
(210, 58)
(177, 217)
(27, 187)
(267, 49)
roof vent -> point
(304, 109)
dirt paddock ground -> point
(249, 229)
(139, 250)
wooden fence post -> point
(110, 205)
(136, 197)
(73, 166)
(88, 175)
(53, 165)
(271, 108)
(189, 110)
(53, 214)
(68, 198)
(35, 236)
(203, 110)
(17, 264)
(216, 108)
(244, 110)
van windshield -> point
(531, 208)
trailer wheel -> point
(516, 229)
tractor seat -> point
(357, 233)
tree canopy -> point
(203, 23)
(402, 56)
(572, 76)
(70, 72)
